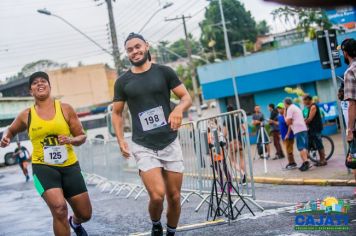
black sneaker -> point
(157, 230)
(291, 166)
(170, 233)
(305, 166)
(79, 230)
(244, 180)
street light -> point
(166, 5)
(48, 13)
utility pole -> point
(191, 65)
(115, 48)
(228, 55)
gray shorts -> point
(170, 158)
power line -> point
(62, 12)
(176, 27)
(137, 18)
(128, 14)
(47, 36)
(21, 51)
(29, 4)
(82, 55)
(55, 41)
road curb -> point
(318, 182)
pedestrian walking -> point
(294, 118)
(287, 137)
(274, 129)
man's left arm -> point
(176, 116)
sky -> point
(27, 36)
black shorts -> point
(68, 178)
(21, 161)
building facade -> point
(262, 77)
(82, 87)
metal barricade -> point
(104, 166)
(224, 146)
(192, 180)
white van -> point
(6, 153)
(95, 126)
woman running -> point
(54, 128)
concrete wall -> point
(83, 86)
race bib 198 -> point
(152, 119)
(55, 154)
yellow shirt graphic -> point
(45, 132)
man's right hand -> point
(5, 141)
(124, 147)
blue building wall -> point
(269, 70)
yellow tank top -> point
(45, 132)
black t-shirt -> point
(316, 124)
(274, 117)
(22, 156)
(259, 117)
(147, 94)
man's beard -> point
(142, 61)
(346, 61)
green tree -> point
(32, 67)
(180, 48)
(263, 28)
(306, 19)
(239, 23)
(184, 75)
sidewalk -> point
(335, 173)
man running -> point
(146, 88)
(22, 155)
(54, 128)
